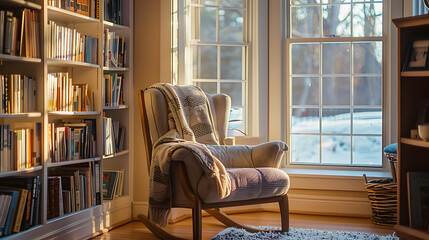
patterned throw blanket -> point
(190, 122)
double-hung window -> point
(216, 51)
(335, 79)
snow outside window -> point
(335, 77)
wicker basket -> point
(383, 198)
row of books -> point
(114, 49)
(69, 44)
(113, 11)
(19, 33)
(63, 95)
(71, 189)
(20, 146)
(72, 140)
(90, 8)
(113, 184)
(113, 136)
(19, 204)
(17, 94)
(113, 89)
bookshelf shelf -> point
(113, 69)
(66, 63)
(21, 115)
(116, 201)
(20, 172)
(21, 3)
(65, 216)
(65, 16)
(6, 57)
(118, 154)
(115, 107)
(415, 74)
(65, 113)
(415, 142)
(72, 162)
(114, 26)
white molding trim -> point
(139, 207)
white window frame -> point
(387, 133)
(250, 94)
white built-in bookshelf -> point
(94, 217)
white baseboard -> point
(139, 207)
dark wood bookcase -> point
(413, 90)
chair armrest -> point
(245, 156)
(269, 154)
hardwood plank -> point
(136, 230)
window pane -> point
(231, 63)
(236, 118)
(336, 91)
(304, 1)
(305, 58)
(305, 22)
(231, 3)
(336, 58)
(203, 23)
(367, 121)
(230, 25)
(305, 120)
(336, 120)
(305, 91)
(204, 62)
(367, 150)
(235, 91)
(208, 87)
(336, 1)
(336, 150)
(367, 91)
(367, 20)
(336, 20)
(305, 149)
(367, 57)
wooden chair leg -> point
(197, 221)
(284, 212)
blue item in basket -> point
(392, 148)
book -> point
(11, 211)
(2, 25)
(113, 181)
(418, 199)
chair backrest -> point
(154, 116)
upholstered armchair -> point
(253, 170)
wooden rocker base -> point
(218, 215)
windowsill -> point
(329, 173)
(331, 180)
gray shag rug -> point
(297, 234)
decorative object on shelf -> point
(382, 194)
(417, 55)
(424, 131)
(418, 199)
(414, 134)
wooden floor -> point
(136, 230)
